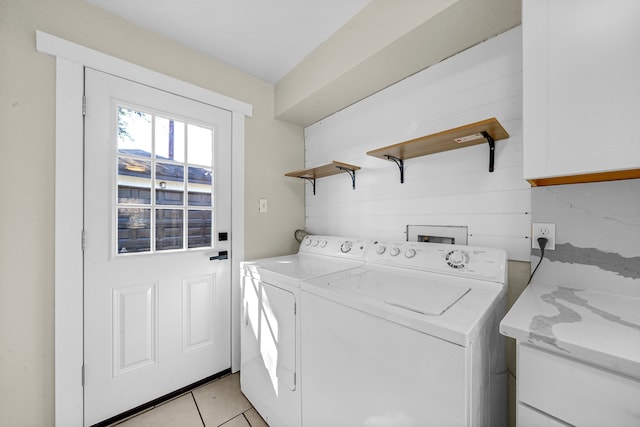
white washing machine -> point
(270, 334)
(409, 339)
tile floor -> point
(218, 403)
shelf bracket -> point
(492, 149)
(312, 181)
(399, 163)
(352, 174)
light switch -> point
(262, 207)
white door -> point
(157, 195)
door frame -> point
(71, 59)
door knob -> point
(221, 255)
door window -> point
(164, 183)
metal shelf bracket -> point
(352, 174)
(312, 181)
(492, 149)
(399, 163)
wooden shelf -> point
(485, 131)
(330, 169)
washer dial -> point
(457, 258)
(394, 251)
(346, 246)
(380, 249)
(410, 253)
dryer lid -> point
(418, 294)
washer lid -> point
(412, 293)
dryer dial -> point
(394, 251)
(410, 253)
(380, 249)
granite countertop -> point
(599, 328)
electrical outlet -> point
(546, 230)
(262, 206)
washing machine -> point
(408, 339)
(270, 370)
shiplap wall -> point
(449, 188)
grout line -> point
(246, 419)
(197, 408)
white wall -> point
(450, 188)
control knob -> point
(346, 246)
(394, 251)
(315, 243)
(410, 253)
(456, 258)
(323, 244)
(380, 249)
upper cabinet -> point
(581, 76)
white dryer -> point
(409, 339)
(270, 334)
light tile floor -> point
(218, 403)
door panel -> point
(157, 191)
(135, 328)
(198, 307)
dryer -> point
(270, 333)
(408, 339)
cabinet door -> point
(529, 417)
(581, 87)
(575, 392)
(269, 351)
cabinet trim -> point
(589, 177)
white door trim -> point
(71, 59)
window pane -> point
(134, 230)
(200, 145)
(134, 181)
(169, 184)
(169, 172)
(134, 132)
(199, 186)
(199, 229)
(169, 139)
(169, 197)
(134, 195)
(169, 229)
(199, 199)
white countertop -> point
(600, 328)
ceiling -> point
(263, 38)
(323, 55)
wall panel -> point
(449, 188)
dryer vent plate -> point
(300, 234)
(449, 234)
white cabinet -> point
(529, 417)
(560, 389)
(581, 93)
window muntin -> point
(164, 183)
